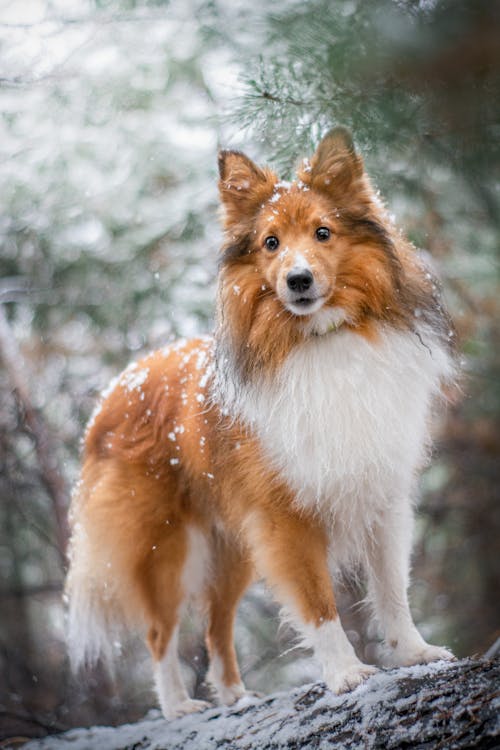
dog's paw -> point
(422, 654)
(247, 698)
(343, 680)
(234, 693)
(189, 706)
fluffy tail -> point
(95, 620)
(93, 623)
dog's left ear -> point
(243, 186)
(337, 170)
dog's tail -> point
(94, 620)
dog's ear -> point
(337, 170)
(243, 186)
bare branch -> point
(18, 373)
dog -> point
(287, 446)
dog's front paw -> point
(422, 654)
(348, 678)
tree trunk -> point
(441, 705)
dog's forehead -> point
(293, 202)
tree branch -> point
(17, 372)
(443, 705)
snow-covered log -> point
(442, 705)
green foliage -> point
(412, 81)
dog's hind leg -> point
(168, 582)
(231, 574)
(139, 555)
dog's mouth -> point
(304, 301)
(304, 305)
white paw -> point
(422, 654)
(229, 694)
(189, 706)
(247, 698)
(343, 680)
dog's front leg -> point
(290, 552)
(388, 578)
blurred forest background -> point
(111, 115)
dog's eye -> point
(272, 242)
(322, 234)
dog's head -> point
(317, 243)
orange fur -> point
(161, 457)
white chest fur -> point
(345, 421)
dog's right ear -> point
(243, 186)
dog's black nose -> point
(299, 281)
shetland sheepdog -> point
(287, 446)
